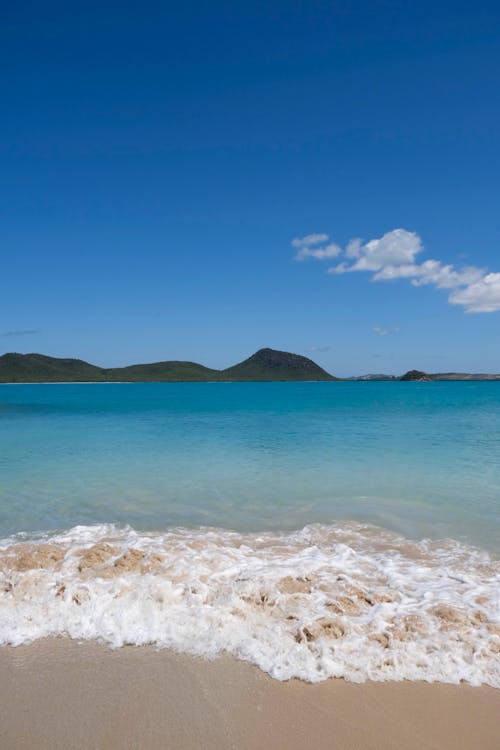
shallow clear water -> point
(422, 459)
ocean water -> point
(314, 529)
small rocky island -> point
(417, 376)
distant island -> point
(264, 365)
(419, 376)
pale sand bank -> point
(58, 694)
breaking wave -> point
(345, 600)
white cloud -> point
(394, 256)
(309, 239)
(340, 268)
(313, 246)
(384, 331)
(445, 277)
(405, 271)
(396, 248)
(481, 296)
(430, 272)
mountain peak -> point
(272, 364)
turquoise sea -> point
(419, 458)
(314, 529)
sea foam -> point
(346, 600)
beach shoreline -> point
(58, 693)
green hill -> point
(38, 368)
(266, 364)
(269, 364)
(162, 372)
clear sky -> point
(162, 163)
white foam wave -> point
(346, 601)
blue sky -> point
(159, 161)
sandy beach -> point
(58, 693)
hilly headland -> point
(265, 365)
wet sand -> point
(59, 694)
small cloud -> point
(315, 246)
(318, 348)
(309, 239)
(32, 332)
(339, 268)
(384, 331)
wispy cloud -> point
(318, 349)
(32, 332)
(315, 246)
(394, 256)
(380, 331)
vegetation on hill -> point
(269, 364)
(38, 368)
(162, 371)
(266, 364)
